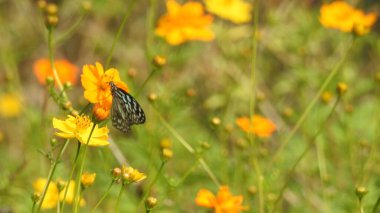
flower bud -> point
(51, 9)
(51, 21)
(159, 61)
(87, 6)
(167, 153)
(326, 97)
(150, 202)
(152, 97)
(36, 197)
(341, 88)
(88, 179)
(361, 191)
(215, 121)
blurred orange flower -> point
(237, 11)
(95, 82)
(223, 202)
(67, 71)
(184, 22)
(342, 16)
(258, 125)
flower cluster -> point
(342, 16)
(95, 82)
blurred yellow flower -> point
(88, 179)
(53, 195)
(10, 105)
(237, 11)
(223, 202)
(184, 23)
(79, 127)
(95, 82)
(67, 71)
(132, 175)
(258, 125)
(342, 16)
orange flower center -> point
(82, 122)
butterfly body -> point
(125, 111)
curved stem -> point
(103, 197)
(152, 183)
(51, 173)
(313, 102)
(72, 29)
(299, 159)
(119, 31)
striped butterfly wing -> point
(125, 110)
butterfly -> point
(125, 110)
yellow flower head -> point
(223, 202)
(97, 90)
(53, 195)
(10, 105)
(260, 126)
(237, 11)
(342, 16)
(184, 23)
(88, 179)
(79, 127)
(132, 175)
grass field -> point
(243, 106)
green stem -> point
(376, 206)
(51, 173)
(307, 149)
(187, 146)
(152, 183)
(313, 102)
(119, 31)
(79, 175)
(252, 100)
(72, 29)
(103, 197)
(118, 198)
(71, 176)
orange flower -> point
(95, 82)
(67, 71)
(224, 202)
(258, 125)
(342, 16)
(184, 22)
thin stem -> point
(103, 197)
(118, 198)
(72, 29)
(119, 31)
(313, 102)
(187, 146)
(252, 100)
(51, 57)
(376, 206)
(77, 180)
(146, 194)
(68, 181)
(51, 173)
(307, 149)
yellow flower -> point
(79, 127)
(342, 16)
(132, 175)
(223, 202)
(10, 105)
(52, 194)
(88, 179)
(95, 82)
(184, 23)
(260, 126)
(237, 11)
